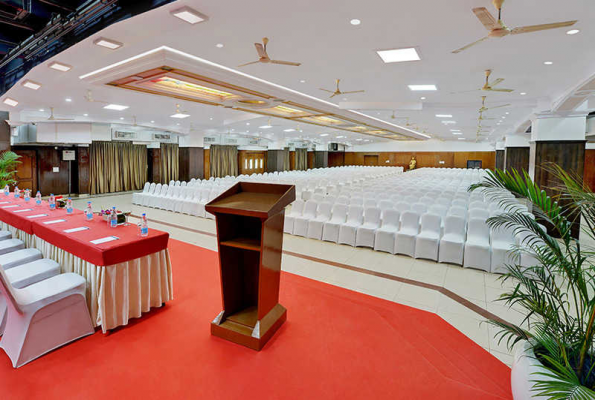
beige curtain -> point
(286, 155)
(301, 159)
(116, 167)
(170, 162)
(223, 160)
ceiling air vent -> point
(124, 135)
(161, 136)
(231, 141)
(210, 139)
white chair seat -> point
(10, 245)
(5, 235)
(19, 257)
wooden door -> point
(371, 160)
(252, 162)
(26, 175)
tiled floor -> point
(475, 286)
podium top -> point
(252, 199)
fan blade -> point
(496, 82)
(333, 95)
(499, 90)
(469, 45)
(260, 50)
(542, 27)
(253, 62)
(295, 64)
(326, 90)
(486, 18)
(503, 105)
(466, 91)
(353, 91)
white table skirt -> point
(115, 293)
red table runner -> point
(128, 247)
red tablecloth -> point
(128, 247)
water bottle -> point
(27, 195)
(144, 226)
(113, 219)
(52, 202)
(17, 192)
(38, 198)
(69, 208)
(6, 190)
(89, 212)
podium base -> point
(255, 337)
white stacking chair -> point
(426, 243)
(177, 183)
(184, 183)
(458, 211)
(148, 200)
(19, 257)
(330, 229)
(452, 242)
(5, 235)
(411, 199)
(143, 198)
(348, 230)
(384, 239)
(171, 183)
(155, 200)
(402, 206)
(419, 208)
(385, 205)
(300, 223)
(369, 203)
(438, 209)
(10, 245)
(318, 197)
(477, 247)
(459, 203)
(479, 213)
(356, 201)
(296, 210)
(405, 237)
(43, 316)
(185, 192)
(173, 195)
(366, 233)
(136, 197)
(315, 225)
(477, 205)
(307, 195)
(443, 201)
(196, 205)
(212, 196)
(503, 242)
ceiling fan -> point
(261, 49)
(488, 86)
(497, 29)
(484, 108)
(338, 91)
(52, 118)
(90, 99)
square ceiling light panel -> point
(116, 107)
(10, 102)
(422, 87)
(107, 43)
(31, 85)
(399, 55)
(189, 15)
(59, 66)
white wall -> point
(427, 145)
(516, 141)
(193, 139)
(566, 128)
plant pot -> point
(525, 370)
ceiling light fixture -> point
(422, 87)
(455, 130)
(219, 45)
(41, 109)
(116, 107)
(265, 127)
(303, 81)
(152, 122)
(247, 123)
(59, 66)
(449, 122)
(398, 55)
(107, 43)
(523, 93)
(506, 113)
(211, 118)
(572, 32)
(121, 118)
(85, 115)
(289, 130)
(548, 62)
(10, 102)
(358, 140)
(180, 115)
(355, 21)
(324, 134)
(422, 98)
(68, 99)
(461, 138)
(31, 85)
(443, 116)
(339, 137)
(457, 133)
(189, 15)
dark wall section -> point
(84, 170)
(191, 163)
(275, 160)
(500, 159)
(321, 159)
(4, 132)
(517, 158)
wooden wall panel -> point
(321, 159)
(26, 175)
(49, 181)
(337, 159)
(517, 158)
(487, 158)
(589, 173)
(424, 159)
(310, 159)
(191, 163)
(84, 170)
(292, 160)
(207, 163)
(153, 161)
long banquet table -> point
(125, 276)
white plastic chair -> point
(155, 200)
(315, 225)
(459, 203)
(43, 316)
(405, 237)
(453, 241)
(342, 200)
(419, 208)
(136, 197)
(300, 223)
(458, 211)
(479, 213)
(503, 242)
(477, 246)
(384, 239)
(348, 230)
(402, 206)
(369, 203)
(477, 205)
(296, 210)
(330, 229)
(438, 209)
(366, 233)
(173, 195)
(426, 243)
(154, 190)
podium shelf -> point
(244, 243)
(246, 317)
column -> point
(516, 152)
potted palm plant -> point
(8, 168)
(555, 358)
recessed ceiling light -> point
(85, 115)
(523, 93)
(422, 87)
(178, 123)
(324, 134)
(455, 130)
(422, 98)
(247, 123)
(398, 55)
(68, 99)
(189, 15)
(339, 137)
(41, 109)
(358, 140)
(107, 43)
(10, 102)
(506, 113)
(303, 81)
(572, 32)
(355, 21)
(211, 118)
(457, 133)
(121, 117)
(31, 85)
(461, 138)
(180, 115)
(449, 122)
(289, 130)
(266, 127)
(443, 115)
(59, 66)
(219, 45)
(548, 62)
(116, 107)
(152, 122)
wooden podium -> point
(250, 220)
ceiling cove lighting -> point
(189, 15)
(10, 102)
(108, 43)
(443, 116)
(59, 66)
(572, 32)
(398, 55)
(422, 87)
(180, 115)
(116, 107)
(31, 85)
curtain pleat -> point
(286, 162)
(117, 167)
(170, 162)
(223, 160)
(301, 159)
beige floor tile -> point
(504, 357)
(473, 328)
(418, 295)
(448, 305)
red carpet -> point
(336, 344)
